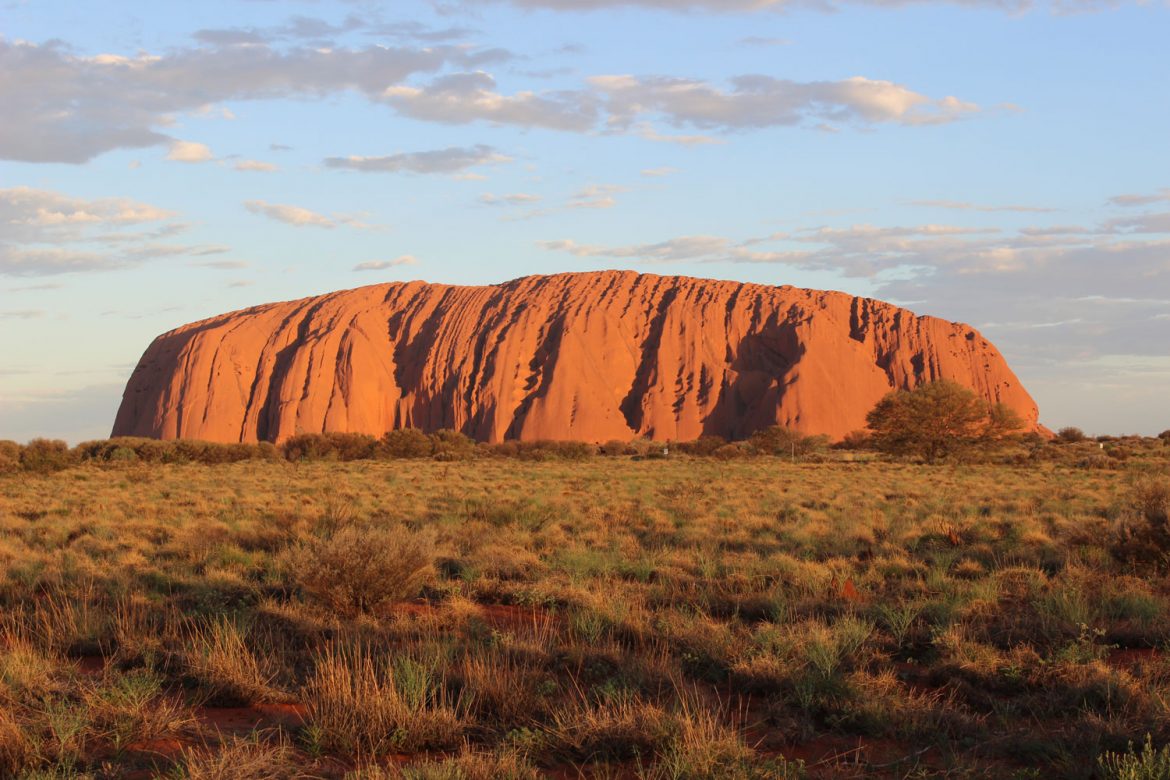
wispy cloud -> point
(450, 160)
(296, 216)
(44, 232)
(1142, 199)
(958, 205)
(255, 166)
(511, 199)
(382, 265)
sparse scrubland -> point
(423, 607)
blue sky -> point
(1003, 164)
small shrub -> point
(1143, 536)
(405, 443)
(329, 446)
(450, 445)
(1070, 435)
(46, 455)
(786, 442)
(703, 446)
(1149, 764)
(9, 456)
(361, 569)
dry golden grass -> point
(687, 617)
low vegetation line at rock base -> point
(686, 617)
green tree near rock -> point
(939, 420)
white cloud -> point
(47, 232)
(648, 131)
(290, 215)
(189, 152)
(382, 265)
(461, 98)
(763, 101)
(60, 107)
(512, 199)
(777, 6)
(595, 196)
(1144, 199)
(256, 166)
(450, 160)
(665, 170)
(958, 205)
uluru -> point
(577, 356)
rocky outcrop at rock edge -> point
(584, 356)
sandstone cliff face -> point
(588, 356)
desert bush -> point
(617, 447)
(1070, 435)
(786, 442)
(1149, 764)
(854, 440)
(9, 456)
(938, 420)
(1142, 535)
(1165, 436)
(702, 446)
(359, 568)
(329, 446)
(46, 455)
(542, 450)
(405, 443)
(451, 445)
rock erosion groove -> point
(583, 356)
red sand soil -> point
(588, 356)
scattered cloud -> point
(453, 159)
(44, 232)
(779, 6)
(665, 170)
(22, 314)
(255, 166)
(224, 265)
(289, 215)
(647, 131)
(595, 196)
(1161, 196)
(62, 107)
(189, 152)
(513, 199)
(382, 265)
(461, 98)
(958, 205)
(763, 101)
